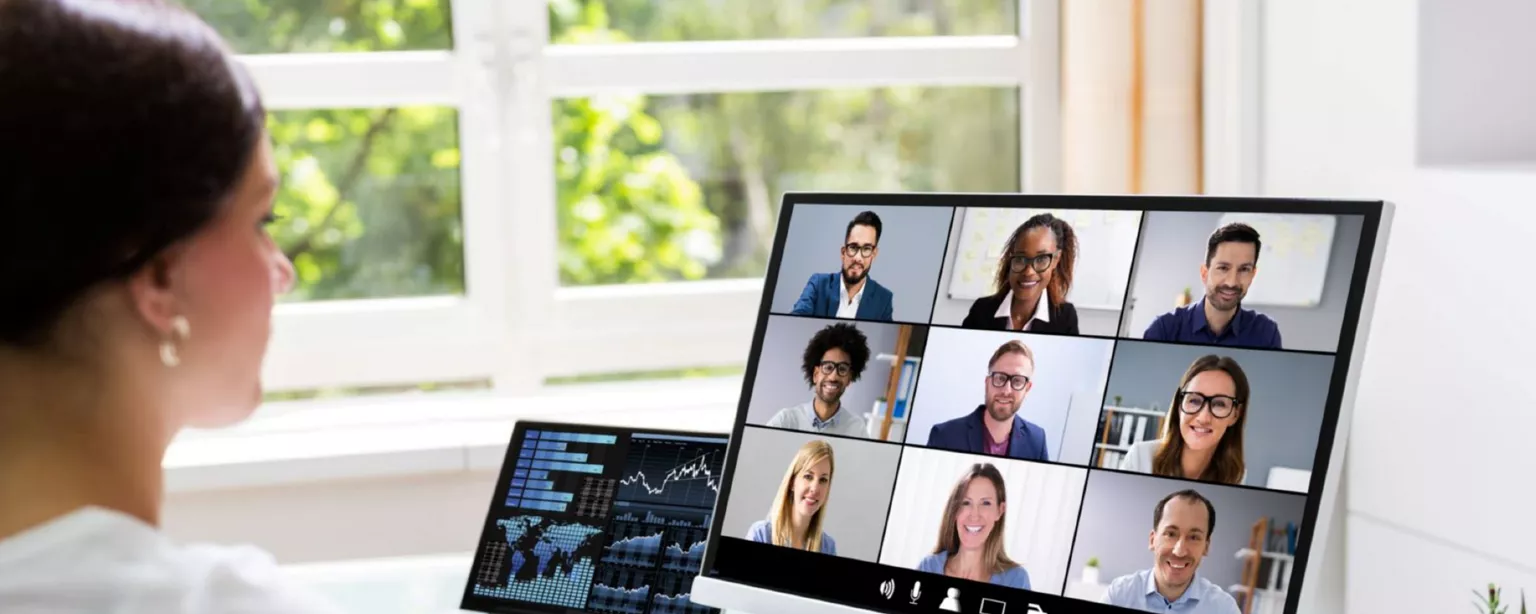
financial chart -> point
(598, 522)
(621, 589)
(673, 470)
(540, 560)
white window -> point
(514, 191)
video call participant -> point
(851, 293)
(970, 544)
(800, 508)
(833, 360)
(1034, 275)
(1180, 539)
(995, 427)
(1231, 261)
(1210, 409)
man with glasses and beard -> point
(833, 360)
(850, 293)
(995, 427)
(1231, 261)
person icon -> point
(951, 601)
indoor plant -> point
(1490, 603)
(1091, 571)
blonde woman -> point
(1203, 438)
(971, 534)
(800, 509)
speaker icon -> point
(888, 588)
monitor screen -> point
(1015, 403)
(594, 519)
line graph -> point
(677, 471)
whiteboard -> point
(1106, 243)
(1293, 259)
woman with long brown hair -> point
(1034, 275)
(971, 534)
(1203, 433)
(799, 509)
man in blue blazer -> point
(995, 427)
(850, 293)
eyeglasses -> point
(1221, 405)
(828, 367)
(1000, 379)
(1039, 262)
(854, 249)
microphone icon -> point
(917, 591)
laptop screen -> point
(1042, 403)
(594, 519)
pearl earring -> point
(181, 330)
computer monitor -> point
(1036, 403)
(595, 519)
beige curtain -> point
(1130, 81)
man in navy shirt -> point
(1231, 261)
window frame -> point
(515, 325)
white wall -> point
(1440, 489)
(1465, 48)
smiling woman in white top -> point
(1203, 433)
(1034, 277)
(140, 285)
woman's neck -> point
(1195, 462)
(1022, 309)
(800, 526)
(64, 445)
(968, 564)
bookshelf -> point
(1120, 428)
(1267, 563)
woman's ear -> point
(152, 291)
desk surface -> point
(406, 585)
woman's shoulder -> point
(97, 555)
(758, 530)
(1016, 577)
(932, 562)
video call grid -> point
(1115, 340)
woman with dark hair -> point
(138, 184)
(1203, 433)
(1034, 275)
(972, 532)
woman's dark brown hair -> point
(1066, 259)
(1227, 464)
(124, 125)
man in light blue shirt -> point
(1180, 539)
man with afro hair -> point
(834, 359)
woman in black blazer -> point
(1034, 275)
